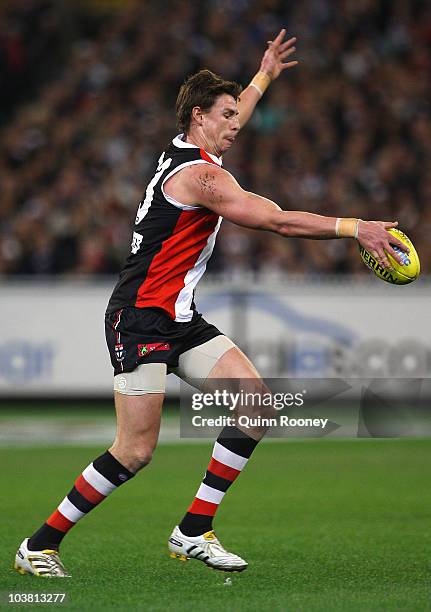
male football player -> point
(153, 327)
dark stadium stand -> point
(88, 104)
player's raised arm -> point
(271, 66)
(216, 189)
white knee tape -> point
(147, 378)
(199, 361)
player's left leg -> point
(138, 401)
(194, 536)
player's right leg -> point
(138, 401)
(217, 360)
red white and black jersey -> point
(171, 242)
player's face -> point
(220, 125)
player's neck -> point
(199, 140)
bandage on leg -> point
(146, 378)
(198, 362)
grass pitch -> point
(325, 525)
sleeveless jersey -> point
(171, 242)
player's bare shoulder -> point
(203, 184)
(206, 184)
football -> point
(401, 274)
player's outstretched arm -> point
(271, 66)
(216, 189)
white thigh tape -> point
(147, 378)
(199, 361)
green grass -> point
(325, 525)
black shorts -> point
(148, 335)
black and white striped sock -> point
(231, 452)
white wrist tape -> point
(347, 227)
(261, 82)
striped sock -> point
(95, 483)
(231, 452)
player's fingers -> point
(288, 65)
(375, 254)
(278, 39)
(399, 244)
(287, 44)
(393, 240)
(285, 54)
(390, 224)
(395, 255)
(382, 259)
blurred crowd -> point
(88, 102)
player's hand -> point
(273, 60)
(374, 237)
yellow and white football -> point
(401, 274)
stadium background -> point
(87, 96)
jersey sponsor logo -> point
(145, 349)
(119, 352)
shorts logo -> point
(119, 352)
(122, 383)
(145, 349)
